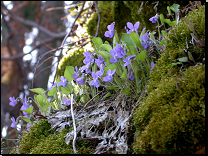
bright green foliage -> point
(171, 119)
(70, 59)
(42, 140)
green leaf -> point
(162, 42)
(153, 37)
(106, 47)
(106, 42)
(69, 71)
(67, 89)
(141, 56)
(27, 120)
(175, 7)
(193, 36)
(169, 11)
(126, 38)
(126, 91)
(112, 87)
(183, 59)
(105, 55)
(124, 74)
(169, 65)
(162, 19)
(106, 95)
(135, 38)
(115, 38)
(28, 110)
(40, 100)
(97, 42)
(143, 32)
(190, 56)
(38, 90)
(167, 21)
(173, 23)
(133, 50)
(191, 24)
(165, 34)
(52, 91)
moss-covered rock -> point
(41, 139)
(176, 43)
(171, 119)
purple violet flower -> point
(99, 61)
(110, 32)
(80, 80)
(109, 74)
(119, 51)
(13, 101)
(68, 102)
(13, 125)
(28, 127)
(144, 38)
(63, 81)
(76, 73)
(127, 60)
(130, 73)
(86, 68)
(88, 57)
(95, 81)
(152, 65)
(53, 85)
(114, 59)
(153, 19)
(24, 107)
(132, 27)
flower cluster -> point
(23, 108)
(100, 69)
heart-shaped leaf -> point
(69, 71)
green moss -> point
(72, 58)
(175, 46)
(42, 140)
(171, 119)
(105, 8)
(122, 12)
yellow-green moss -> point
(175, 46)
(171, 119)
(42, 140)
(72, 58)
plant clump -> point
(171, 118)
